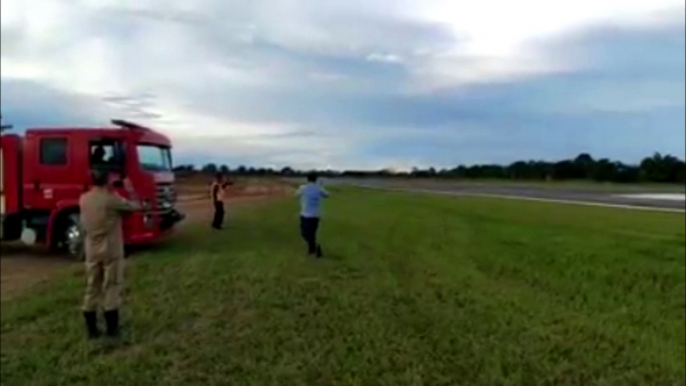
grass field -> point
(582, 185)
(414, 290)
(598, 186)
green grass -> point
(601, 186)
(649, 187)
(415, 290)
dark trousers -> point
(218, 215)
(308, 230)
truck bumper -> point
(165, 226)
(167, 221)
(146, 238)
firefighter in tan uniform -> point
(101, 212)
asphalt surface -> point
(589, 196)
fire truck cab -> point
(44, 173)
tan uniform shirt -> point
(101, 212)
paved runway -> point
(644, 199)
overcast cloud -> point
(356, 84)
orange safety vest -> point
(220, 191)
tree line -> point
(657, 168)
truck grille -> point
(165, 197)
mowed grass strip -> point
(413, 290)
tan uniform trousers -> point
(104, 284)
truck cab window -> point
(53, 151)
(105, 154)
(154, 158)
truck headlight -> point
(148, 221)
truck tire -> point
(72, 237)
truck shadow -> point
(17, 250)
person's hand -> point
(128, 186)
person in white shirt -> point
(311, 195)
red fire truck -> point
(44, 173)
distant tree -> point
(184, 168)
(584, 158)
(681, 172)
(209, 169)
(224, 169)
(584, 164)
(564, 170)
(657, 168)
(652, 168)
(625, 173)
(517, 170)
(660, 168)
(603, 170)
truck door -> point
(50, 171)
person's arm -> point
(299, 191)
(120, 204)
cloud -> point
(387, 58)
(28, 103)
(356, 83)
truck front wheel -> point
(72, 237)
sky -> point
(352, 84)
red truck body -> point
(45, 172)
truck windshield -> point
(154, 158)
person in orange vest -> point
(217, 194)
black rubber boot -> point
(112, 320)
(319, 251)
(91, 324)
